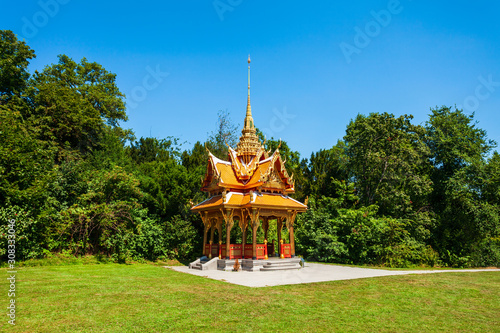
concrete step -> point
(280, 267)
(282, 263)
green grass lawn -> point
(149, 298)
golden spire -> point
(249, 143)
(248, 123)
(249, 108)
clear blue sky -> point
(315, 65)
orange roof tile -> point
(212, 202)
(264, 200)
(227, 175)
(277, 200)
(261, 169)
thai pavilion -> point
(252, 189)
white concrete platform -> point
(309, 274)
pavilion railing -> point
(287, 250)
(215, 250)
(261, 251)
(248, 251)
(236, 250)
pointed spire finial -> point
(249, 143)
(249, 108)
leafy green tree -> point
(323, 168)
(152, 149)
(14, 59)
(68, 173)
(25, 162)
(388, 161)
(182, 239)
(491, 190)
(73, 102)
(113, 150)
(454, 140)
(168, 186)
(195, 158)
(467, 218)
(104, 210)
(226, 133)
(316, 232)
(358, 234)
(29, 239)
(293, 164)
(195, 162)
(469, 226)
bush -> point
(358, 236)
(28, 241)
(486, 253)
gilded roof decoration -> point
(251, 178)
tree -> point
(14, 60)
(454, 140)
(468, 220)
(101, 214)
(324, 167)
(72, 103)
(195, 158)
(195, 162)
(491, 190)
(388, 161)
(25, 161)
(333, 232)
(293, 164)
(151, 149)
(23, 158)
(225, 134)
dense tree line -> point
(400, 194)
(390, 192)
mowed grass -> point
(148, 298)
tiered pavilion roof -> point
(253, 185)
